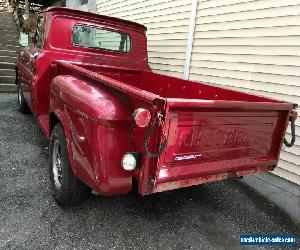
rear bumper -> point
(170, 185)
(169, 173)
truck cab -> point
(80, 37)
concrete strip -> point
(283, 193)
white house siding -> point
(250, 45)
(89, 5)
(253, 46)
(167, 22)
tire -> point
(67, 190)
(23, 107)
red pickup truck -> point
(111, 121)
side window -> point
(39, 34)
(99, 38)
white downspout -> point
(190, 40)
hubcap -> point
(57, 164)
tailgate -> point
(219, 138)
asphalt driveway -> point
(206, 217)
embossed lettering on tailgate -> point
(207, 136)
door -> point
(29, 57)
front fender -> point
(98, 121)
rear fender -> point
(59, 115)
(97, 125)
(62, 117)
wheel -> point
(67, 190)
(23, 107)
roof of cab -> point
(90, 15)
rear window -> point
(98, 38)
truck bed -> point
(161, 85)
(174, 87)
(213, 133)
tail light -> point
(142, 117)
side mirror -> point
(23, 39)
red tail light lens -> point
(142, 117)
